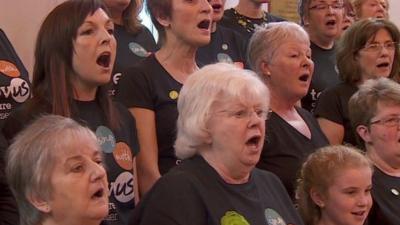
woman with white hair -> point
(221, 127)
(281, 56)
(55, 170)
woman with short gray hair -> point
(280, 54)
(55, 172)
(221, 128)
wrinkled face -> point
(79, 183)
(348, 17)
(218, 9)
(348, 199)
(290, 70)
(384, 134)
(190, 22)
(117, 5)
(237, 132)
(376, 58)
(324, 19)
(374, 9)
(94, 51)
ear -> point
(364, 133)
(42, 205)
(163, 20)
(306, 21)
(265, 69)
(317, 198)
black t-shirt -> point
(333, 105)
(226, 45)
(131, 49)
(325, 75)
(245, 25)
(386, 196)
(119, 147)
(149, 86)
(14, 79)
(285, 148)
(194, 193)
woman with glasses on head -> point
(221, 128)
(375, 115)
(280, 54)
(368, 50)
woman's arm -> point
(333, 131)
(147, 160)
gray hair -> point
(265, 41)
(211, 85)
(31, 159)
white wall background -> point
(20, 19)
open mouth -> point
(383, 65)
(331, 23)
(304, 77)
(216, 7)
(104, 59)
(98, 194)
(359, 213)
(204, 24)
(254, 141)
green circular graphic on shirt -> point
(273, 217)
(106, 139)
(233, 218)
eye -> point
(110, 31)
(86, 32)
(240, 113)
(77, 168)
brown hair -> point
(159, 9)
(354, 39)
(357, 4)
(53, 60)
(317, 173)
(130, 17)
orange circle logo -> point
(9, 69)
(123, 156)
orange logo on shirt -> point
(9, 69)
(123, 156)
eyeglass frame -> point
(379, 46)
(247, 114)
(384, 121)
(324, 6)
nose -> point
(206, 6)
(255, 119)
(98, 172)
(106, 37)
(364, 199)
(307, 62)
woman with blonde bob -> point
(334, 187)
(56, 174)
(221, 127)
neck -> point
(178, 59)
(250, 9)
(68, 221)
(213, 26)
(281, 104)
(387, 168)
(322, 42)
(231, 174)
(83, 93)
(116, 16)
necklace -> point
(250, 24)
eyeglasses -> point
(247, 113)
(324, 7)
(377, 47)
(388, 122)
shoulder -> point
(273, 18)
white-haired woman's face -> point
(79, 184)
(348, 199)
(290, 70)
(237, 133)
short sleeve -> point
(329, 106)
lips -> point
(304, 77)
(383, 65)
(330, 22)
(254, 141)
(104, 60)
(99, 193)
(217, 7)
(204, 24)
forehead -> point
(325, 1)
(381, 35)
(388, 107)
(77, 144)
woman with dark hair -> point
(150, 90)
(134, 41)
(73, 64)
(367, 50)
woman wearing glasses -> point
(221, 128)
(368, 50)
(375, 114)
(280, 54)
